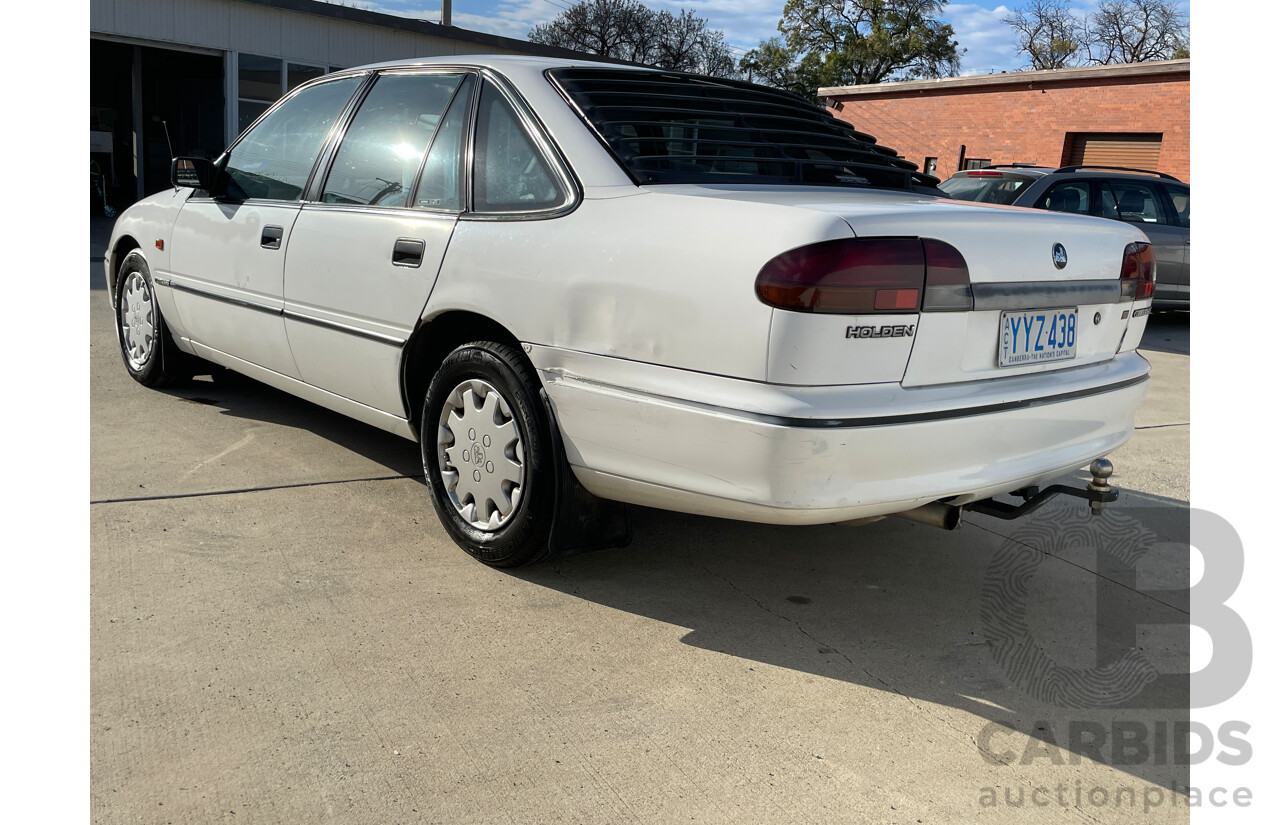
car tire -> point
(488, 454)
(149, 353)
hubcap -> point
(137, 321)
(482, 456)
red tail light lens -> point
(1138, 272)
(867, 275)
(849, 276)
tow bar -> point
(1098, 493)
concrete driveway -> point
(282, 632)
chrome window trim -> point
(314, 193)
(543, 143)
(393, 211)
(357, 93)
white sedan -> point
(578, 284)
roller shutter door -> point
(1136, 151)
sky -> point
(989, 43)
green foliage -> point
(848, 42)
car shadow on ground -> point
(1039, 625)
(241, 397)
(1034, 625)
(1168, 332)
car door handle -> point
(271, 236)
(408, 252)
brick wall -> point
(1010, 123)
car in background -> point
(577, 285)
(1158, 204)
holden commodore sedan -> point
(580, 285)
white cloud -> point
(990, 45)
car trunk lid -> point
(1058, 272)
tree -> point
(1135, 31)
(631, 31)
(1048, 34)
(773, 64)
(848, 42)
(1052, 36)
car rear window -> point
(989, 188)
(666, 127)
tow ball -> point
(1099, 493)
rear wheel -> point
(149, 353)
(487, 454)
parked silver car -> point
(1156, 203)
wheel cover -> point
(137, 321)
(481, 455)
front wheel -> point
(149, 353)
(488, 456)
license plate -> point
(1037, 335)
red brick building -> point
(1136, 115)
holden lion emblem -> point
(1059, 256)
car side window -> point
(440, 185)
(1181, 197)
(1072, 196)
(383, 148)
(274, 158)
(511, 175)
(1135, 201)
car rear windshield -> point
(988, 188)
(667, 127)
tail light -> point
(856, 276)
(1138, 272)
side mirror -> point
(197, 173)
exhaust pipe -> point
(935, 514)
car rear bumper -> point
(717, 446)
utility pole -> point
(446, 13)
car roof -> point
(1011, 168)
(1074, 171)
(499, 62)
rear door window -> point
(382, 152)
(440, 186)
(1180, 195)
(1072, 196)
(1135, 201)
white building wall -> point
(233, 27)
(230, 25)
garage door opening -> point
(1130, 150)
(134, 91)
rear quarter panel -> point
(647, 277)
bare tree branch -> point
(1136, 31)
(629, 30)
(1048, 34)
